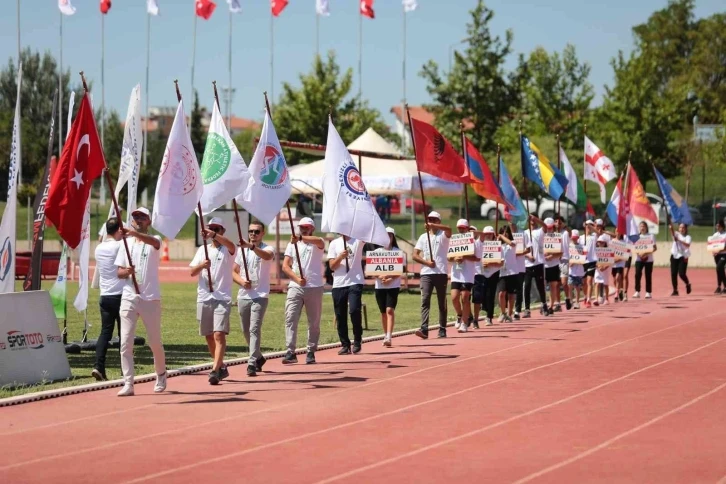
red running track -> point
(630, 392)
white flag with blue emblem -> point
(347, 207)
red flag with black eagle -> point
(435, 155)
(80, 163)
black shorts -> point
(387, 298)
(589, 269)
(477, 292)
(627, 262)
(508, 284)
(617, 270)
(462, 286)
(552, 274)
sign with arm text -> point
(461, 245)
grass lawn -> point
(182, 342)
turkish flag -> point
(205, 8)
(366, 8)
(435, 155)
(80, 163)
(105, 6)
(278, 6)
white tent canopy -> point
(381, 177)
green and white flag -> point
(224, 172)
(574, 192)
(58, 291)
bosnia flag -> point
(536, 167)
(676, 204)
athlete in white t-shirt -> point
(463, 269)
(111, 288)
(387, 289)
(144, 249)
(644, 263)
(254, 259)
(430, 251)
(304, 290)
(213, 307)
(680, 252)
(345, 257)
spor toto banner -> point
(31, 346)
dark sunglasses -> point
(254, 232)
(215, 229)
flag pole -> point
(466, 185)
(194, 57)
(102, 194)
(559, 167)
(403, 68)
(584, 167)
(272, 61)
(234, 203)
(20, 158)
(287, 204)
(60, 91)
(146, 119)
(115, 205)
(360, 57)
(499, 174)
(420, 185)
(623, 194)
(199, 208)
(524, 182)
(229, 77)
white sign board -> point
(461, 245)
(31, 346)
(385, 262)
(605, 256)
(491, 252)
(644, 245)
(716, 243)
(621, 249)
(578, 254)
(519, 240)
(552, 244)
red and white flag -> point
(205, 8)
(105, 6)
(66, 7)
(277, 6)
(152, 8)
(366, 8)
(81, 162)
(598, 167)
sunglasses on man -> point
(254, 232)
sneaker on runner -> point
(442, 333)
(213, 378)
(458, 322)
(516, 316)
(462, 329)
(127, 390)
(527, 314)
(421, 334)
(160, 383)
(488, 322)
(636, 295)
(223, 373)
(576, 306)
(501, 318)
(260, 362)
(647, 295)
(290, 358)
(310, 358)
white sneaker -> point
(463, 328)
(605, 302)
(601, 301)
(625, 298)
(160, 383)
(458, 323)
(502, 317)
(576, 306)
(488, 322)
(127, 390)
(647, 295)
(636, 295)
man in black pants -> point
(345, 258)
(535, 270)
(111, 289)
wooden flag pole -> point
(496, 220)
(524, 183)
(559, 167)
(466, 163)
(199, 208)
(234, 203)
(420, 185)
(115, 206)
(287, 204)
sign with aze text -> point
(578, 254)
(461, 245)
(385, 262)
(716, 243)
(621, 250)
(519, 240)
(491, 252)
(644, 245)
(552, 243)
(605, 256)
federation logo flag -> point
(179, 186)
(598, 167)
(347, 206)
(677, 206)
(268, 187)
(536, 167)
(435, 155)
(482, 180)
(81, 162)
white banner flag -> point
(268, 188)
(151, 7)
(322, 7)
(224, 172)
(84, 256)
(234, 6)
(598, 167)
(66, 7)
(7, 226)
(410, 5)
(179, 187)
(347, 207)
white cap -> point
(434, 214)
(549, 222)
(216, 221)
(589, 222)
(603, 238)
(306, 221)
(472, 227)
(574, 233)
(488, 229)
(462, 222)
(390, 230)
(142, 210)
(599, 222)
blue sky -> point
(598, 30)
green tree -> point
(302, 112)
(40, 80)
(199, 137)
(477, 90)
(245, 142)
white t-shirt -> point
(522, 259)
(537, 249)
(440, 246)
(109, 282)
(509, 256)
(590, 242)
(146, 263)
(221, 268)
(680, 250)
(602, 277)
(465, 271)
(341, 277)
(478, 252)
(395, 282)
(311, 258)
(577, 270)
(259, 270)
(565, 257)
(647, 258)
